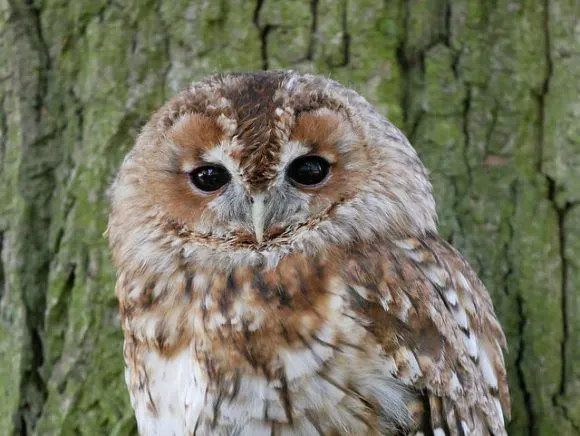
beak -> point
(258, 216)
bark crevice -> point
(310, 52)
(263, 30)
(561, 211)
(466, 135)
(35, 186)
(526, 394)
(405, 67)
(346, 38)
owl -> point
(280, 272)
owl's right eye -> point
(210, 178)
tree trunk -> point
(487, 91)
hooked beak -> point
(258, 213)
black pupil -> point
(210, 178)
(308, 170)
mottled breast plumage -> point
(363, 345)
(302, 288)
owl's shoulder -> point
(429, 311)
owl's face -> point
(232, 189)
(250, 167)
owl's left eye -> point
(308, 170)
(210, 178)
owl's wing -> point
(433, 316)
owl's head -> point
(246, 168)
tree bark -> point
(487, 91)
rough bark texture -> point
(487, 91)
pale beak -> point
(258, 216)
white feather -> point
(254, 428)
(454, 385)
(406, 244)
(471, 343)
(461, 317)
(465, 428)
(405, 305)
(299, 363)
(436, 275)
(176, 386)
(462, 281)
(499, 410)
(486, 368)
(451, 296)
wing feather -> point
(449, 346)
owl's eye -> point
(308, 170)
(210, 178)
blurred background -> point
(487, 91)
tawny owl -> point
(280, 273)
